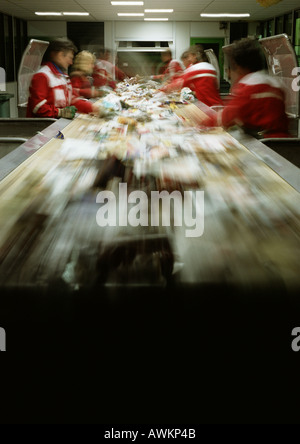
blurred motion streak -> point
(150, 143)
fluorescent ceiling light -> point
(156, 19)
(127, 3)
(47, 13)
(159, 10)
(143, 49)
(76, 13)
(224, 14)
(129, 14)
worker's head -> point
(245, 56)
(105, 54)
(61, 52)
(166, 56)
(195, 54)
(185, 59)
(84, 62)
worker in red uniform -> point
(258, 101)
(105, 72)
(51, 93)
(81, 79)
(199, 75)
(170, 68)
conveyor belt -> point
(25, 150)
(49, 206)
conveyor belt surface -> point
(248, 229)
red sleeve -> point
(186, 78)
(99, 76)
(234, 112)
(112, 84)
(213, 120)
(178, 67)
(120, 75)
(158, 77)
(176, 84)
(83, 105)
(79, 89)
(76, 82)
(39, 97)
(175, 69)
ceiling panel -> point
(188, 10)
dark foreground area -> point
(140, 355)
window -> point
(270, 28)
(288, 24)
(9, 48)
(279, 25)
(86, 35)
(143, 44)
(20, 40)
(13, 41)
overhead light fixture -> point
(156, 19)
(131, 14)
(140, 49)
(76, 13)
(267, 3)
(127, 3)
(225, 14)
(159, 10)
(47, 13)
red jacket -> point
(201, 78)
(257, 104)
(100, 74)
(81, 86)
(170, 71)
(104, 73)
(50, 90)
